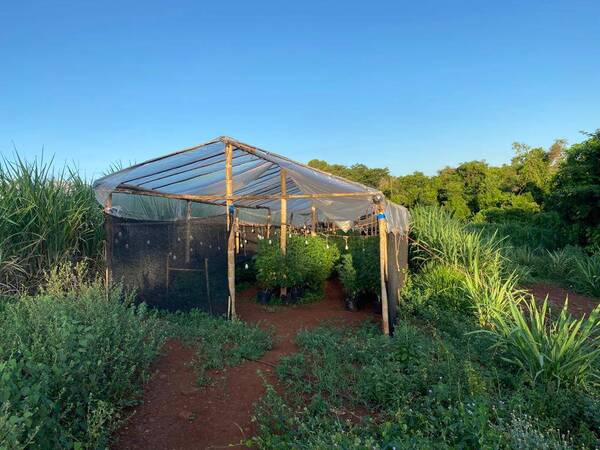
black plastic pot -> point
(263, 296)
(377, 306)
(350, 304)
(295, 294)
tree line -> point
(557, 187)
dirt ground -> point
(578, 304)
(176, 414)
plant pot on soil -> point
(350, 303)
(377, 306)
(263, 296)
(295, 294)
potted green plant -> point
(268, 265)
(347, 274)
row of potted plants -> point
(308, 262)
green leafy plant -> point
(585, 275)
(563, 351)
(218, 342)
(347, 275)
(69, 363)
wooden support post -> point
(382, 266)
(313, 213)
(188, 216)
(108, 243)
(283, 232)
(269, 224)
(231, 228)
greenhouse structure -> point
(177, 225)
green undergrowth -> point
(218, 342)
(433, 385)
(70, 361)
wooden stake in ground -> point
(230, 229)
(382, 266)
(283, 235)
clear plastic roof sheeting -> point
(198, 173)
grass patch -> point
(218, 342)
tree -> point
(576, 193)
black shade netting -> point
(397, 252)
(172, 265)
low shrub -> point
(69, 362)
(219, 342)
(423, 388)
(560, 351)
(308, 262)
(269, 263)
(347, 275)
(586, 275)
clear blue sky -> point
(408, 85)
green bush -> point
(269, 264)
(586, 275)
(308, 262)
(561, 351)
(69, 363)
(347, 275)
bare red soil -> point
(176, 414)
(578, 304)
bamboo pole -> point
(382, 266)
(313, 211)
(231, 229)
(134, 190)
(283, 232)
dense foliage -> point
(308, 262)
(70, 360)
(48, 218)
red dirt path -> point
(176, 414)
(578, 304)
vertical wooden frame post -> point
(283, 233)
(313, 216)
(383, 269)
(108, 241)
(230, 228)
(269, 224)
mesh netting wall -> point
(173, 265)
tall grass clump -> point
(70, 360)
(48, 217)
(439, 236)
(562, 351)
